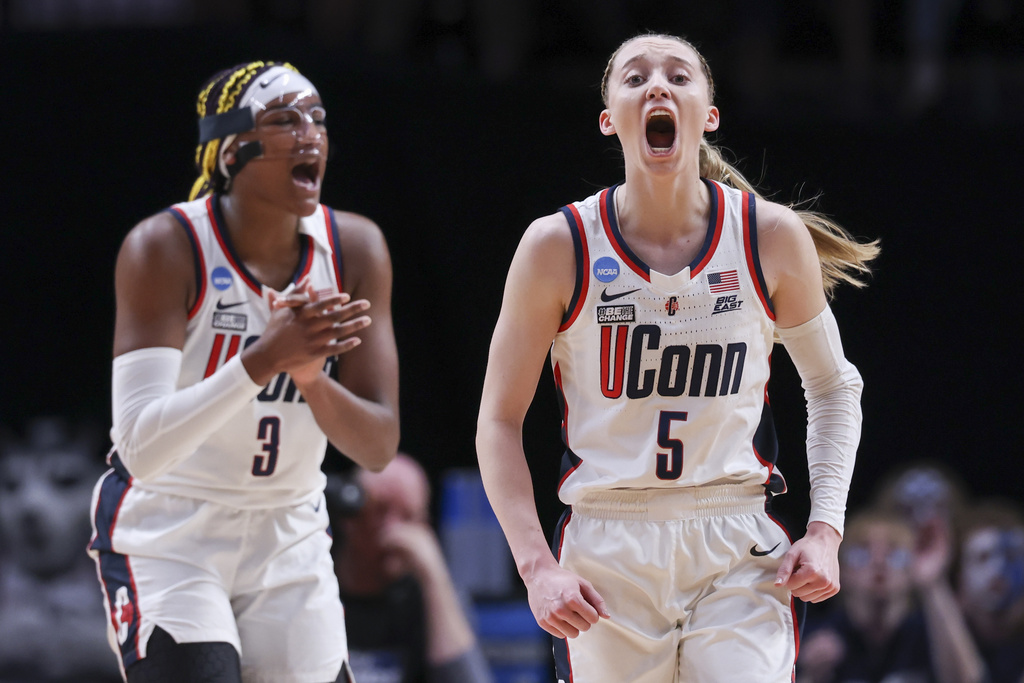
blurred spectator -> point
(405, 620)
(51, 615)
(925, 493)
(897, 619)
(991, 586)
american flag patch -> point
(723, 281)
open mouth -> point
(661, 131)
(307, 175)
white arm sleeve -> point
(832, 387)
(156, 425)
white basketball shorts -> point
(262, 580)
(688, 576)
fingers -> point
(570, 620)
(591, 595)
(785, 569)
(569, 616)
(810, 585)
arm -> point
(832, 387)
(359, 411)
(955, 658)
(154, 424)
(540, 283)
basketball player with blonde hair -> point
(659, 300)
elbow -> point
(139, 467)
(376, 459)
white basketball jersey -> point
(662, 378)
(268, 454)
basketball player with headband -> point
(253, 325)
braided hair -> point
(221, 93)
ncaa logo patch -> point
(220, 278)
(606, 269)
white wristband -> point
(155, 424)
(832, 387)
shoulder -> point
(778, 223)
(358, 231)
(783, 241)
(544, 264)
(548, 233)
(158, 239)
(789, 262)
(364, 251)
(546, 250)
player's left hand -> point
(810, 570)
(337, 307)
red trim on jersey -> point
(309, 256)
(557, 371)
(128, 566)
(201, 265)
(753, 268)
(614, 241)
(765, 463)
(796, 635)
(237, 267)
(135, 604)
(561, 534)
(335, 247)
(558, 557)
(719, 219)
(584, 270)
(214, 359)
(565, 405)
(117, 511)
(792, 604)
(236, 341)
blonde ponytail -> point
(843, 258)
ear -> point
(711, 124)
(228, 154)
(605, 123)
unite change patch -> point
(606, 269)
(220, 278)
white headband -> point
(274, 83)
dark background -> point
(456, 137)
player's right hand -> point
(304, 330)
(563, 603)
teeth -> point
(658, 112)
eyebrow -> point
(643, 55)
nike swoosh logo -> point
(267, 81)
(222, 306)
(761, 553)
(605, 296)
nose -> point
(308, 131)
(657, 89)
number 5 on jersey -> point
(670, 464)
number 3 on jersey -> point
(269, 432)
(670, 465)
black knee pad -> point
(169, 662)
